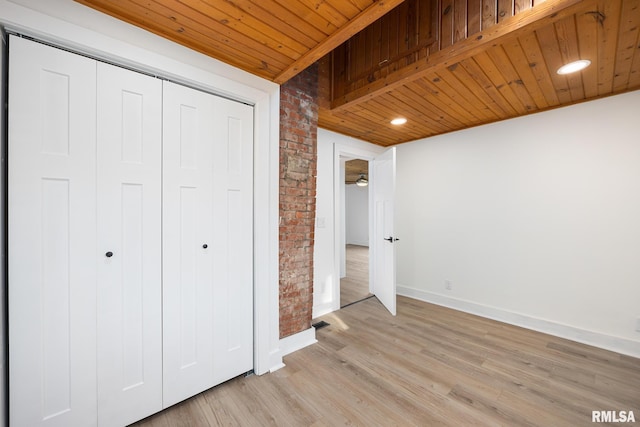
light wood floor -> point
(355, 286)
(428, 366)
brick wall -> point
(298, 150)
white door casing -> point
(383, 179)
(129, 293)
(52, 236)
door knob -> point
(390, 239)
(109, 254)
(205, 246)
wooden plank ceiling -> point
(353, 169)
(444, 65)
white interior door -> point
(129, 294)
(188, 117)
(52, 235)
(232, 245)
(384, 238)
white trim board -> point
(296, 342)
(596, 339)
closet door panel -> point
(52, 234)
(187, 239)
(233, 228)
(129, 320)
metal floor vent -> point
(320, 324)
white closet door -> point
(129, 327)
(233, 244)
(52, 234)
(187, 241)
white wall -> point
(535, 221)
(323, 247)
(357, 215)
(71, 25)
(326, 253)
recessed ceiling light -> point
(574, 66)
(398, 121)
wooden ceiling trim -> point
(529, 20)
(168, 28)
(362, 20)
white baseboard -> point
(596, 339)
(297, 341)
(323, 309)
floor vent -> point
(320, 324)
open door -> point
(383, 183)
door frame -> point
(340, 151)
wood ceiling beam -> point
(360, 22)
(529, 20)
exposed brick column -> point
(298, 164)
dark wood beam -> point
(357, 24)
(529, 20)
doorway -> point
(354, 280)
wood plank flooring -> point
(428, 366)
(355, 285)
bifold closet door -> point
(52, 236)
(187, 241)
(207, 241)
(233, 244)
(129, 199)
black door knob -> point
(109, 254)
(205, 246)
